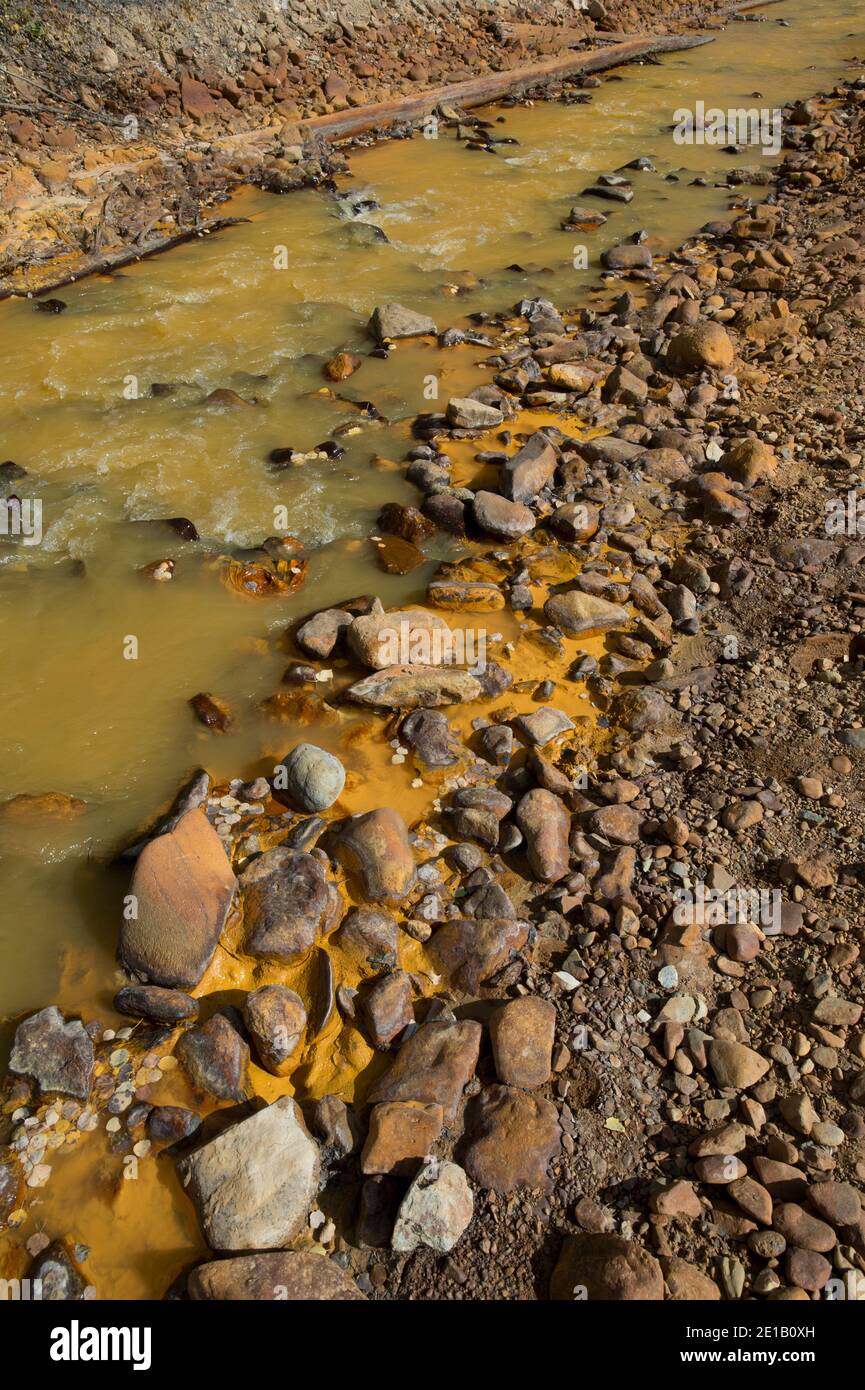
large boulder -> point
(253, 1185)
(182, 889)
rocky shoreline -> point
(117, 139)
(606, 995)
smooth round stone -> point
(668, 977)
(310, 777)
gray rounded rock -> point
(310, 777)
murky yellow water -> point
(103, 454)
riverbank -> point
(648, 1103)
(117, 140)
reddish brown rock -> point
(401, 1135)
(606, 1267)
(387, 1008)
(469, 950)
(182, 888)
(512, 1137)
(523, 1032)
(280, 1275)
(433, 1065)
(375, 849)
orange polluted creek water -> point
(108, 458)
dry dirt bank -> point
(117, 130)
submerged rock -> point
(57, 1055)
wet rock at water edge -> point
(275, 1017)
(320, 635)
(375, 848)
(157, 1005)
(172, 1124)
(465, 413)
(498, 517)
(527, 471)
(309, 777)
(579, 614)
(390, 322)
(435, 1211)
(216, 1059)
(627, 257)
(370, 939)
(182, 890)
(287, 903)
(278, 1275)
(56, 1054)
(382, 640)
(253, 1185)
(415, 687)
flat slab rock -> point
(253, 1185)
(415, 687)
(434, 1065)
(183, 885)
(512, 1137)
(56, 1054)
(278, 1276)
